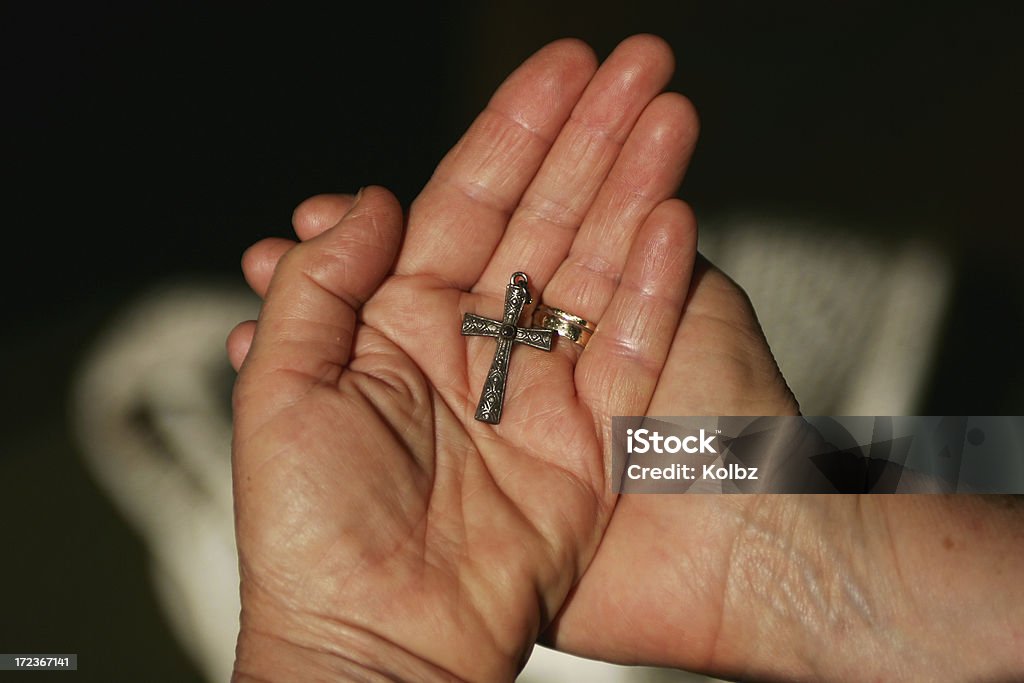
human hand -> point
(360, 471)
(361, 474)
(590, 217)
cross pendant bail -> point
(507, 333)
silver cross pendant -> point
(516, 297)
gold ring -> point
(564, 324)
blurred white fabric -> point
(852, 325)
(151, 415)
(853, 321)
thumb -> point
(304, 333)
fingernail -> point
(355, 201)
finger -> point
(318, 213)
(456, 222)
(647, 172)
(260, 260)
(551, 211)
(304, 334)
(309, 219)
(619, 370)
(238, 342)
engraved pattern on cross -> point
(492, 398)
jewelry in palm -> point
(492, 398)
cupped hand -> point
(380, 527)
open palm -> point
(369, 500)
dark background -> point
(146, 143)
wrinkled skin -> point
(382, 529)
